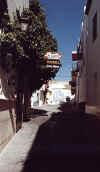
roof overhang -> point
(88, 6)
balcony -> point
(75, 70)
(80, 50)
(74, 73)
(72, 83)
(75, 67)
(77, 55)
(74, 56)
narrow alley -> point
(49, 86)
(57, 138)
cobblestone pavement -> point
(57, 138)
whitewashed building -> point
(58, 91)
(13, 5)
(93, 56)
(88, 80)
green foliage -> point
(10, 50)
(24, 51)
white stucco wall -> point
(59, 92)
(93, 59)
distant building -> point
(58, 91)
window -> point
(95, 27)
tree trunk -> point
(19, 111)
(12, 113)
(27, 105)
(19, 101)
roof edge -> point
(88, 6)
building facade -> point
(93, 59)
(87, 79)
(11, 6)
(16, 4)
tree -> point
(22, 55)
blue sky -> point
(64, 20)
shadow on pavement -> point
(38, 112)
(70, 140)
(34, 113)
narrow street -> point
(49, 86)
(57, 138)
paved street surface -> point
(57, 138)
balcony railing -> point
(75, 67)
(75, 70)
(80, 50)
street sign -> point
(53, 66)
(53, 62)
(54, 56)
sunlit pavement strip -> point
(12, 158)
